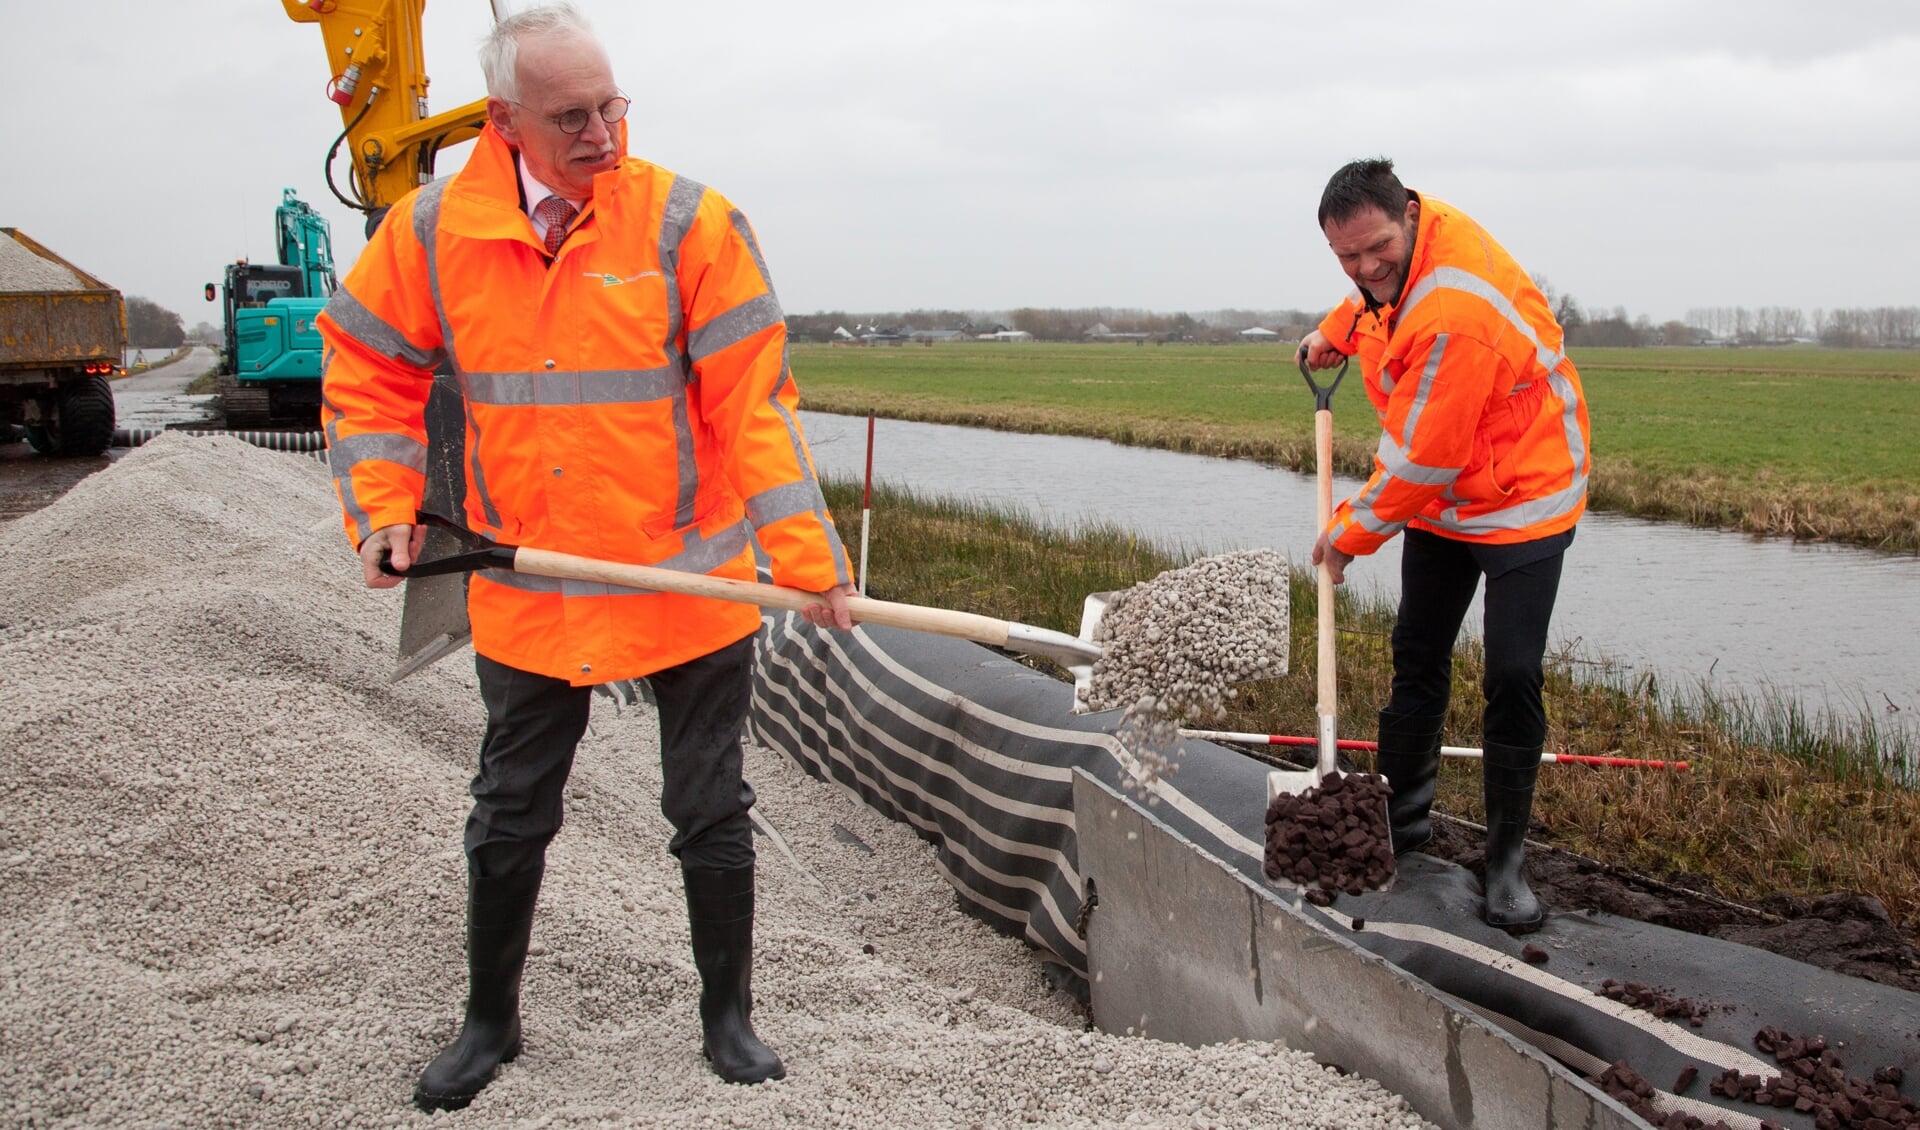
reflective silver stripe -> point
(769, 506)
(1367, 520)
(688, 466)
(611, 386)
(1365, 512)
(1454, 278)
(745, 231)
(1425, 390)
(734, 326)
(356, 513)
(426, 227)
(1532, 512)
(390, 447)
(676, 219)
(344, 456)
(698, 556)
(1570, 421)
(799, 448)
(1394, 458)
(373, 331)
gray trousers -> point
(535, 722)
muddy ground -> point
(1844, 931)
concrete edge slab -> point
(1183, 948)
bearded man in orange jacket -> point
(622, 366)
(1482, 462)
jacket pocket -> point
(1486, 477)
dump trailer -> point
(62, 333)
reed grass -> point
(1777, 801)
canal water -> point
(1831, 627)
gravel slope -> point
(231, 886)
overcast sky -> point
(1641, 153)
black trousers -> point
(1437, 580)
(535, 722)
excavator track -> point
(245, 407)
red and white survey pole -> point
(866, 507)
(1445, 750)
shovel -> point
(1325, 775)
(1300, 780)
(1024, 638)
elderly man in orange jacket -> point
(622, 362)
(1482, 462)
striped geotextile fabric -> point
(976, 751)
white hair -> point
(500, 51)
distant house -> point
(841, 333)
(1007, 335)
(1258, 333)
(1100, 332)
(939, 336)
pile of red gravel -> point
(1332, 837)
(1815, 1082)
(1664, 1005)
(1631, 1090)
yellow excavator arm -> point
(380, 81)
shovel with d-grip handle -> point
(1011, 635)
(1296, 782)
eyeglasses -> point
(574, 120)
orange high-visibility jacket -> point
(628, 400)
(1484, 433)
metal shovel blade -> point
(1297, 781)
(1091, 610)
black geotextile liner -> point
(975, 752)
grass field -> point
(1805, 442)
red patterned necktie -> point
(558, 213)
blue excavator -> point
(270, 360)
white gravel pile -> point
(1174, 647)
(21, 269)
(231, 887)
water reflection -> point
(1830, 625)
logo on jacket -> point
(616, 280)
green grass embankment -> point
(1808, 443)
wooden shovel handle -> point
(912, 617)
(1328, 707)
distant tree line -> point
(152, 326)
(1871, 327)
(1058, 324)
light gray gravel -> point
(231, 886)
(21, 269)
(1173, 648)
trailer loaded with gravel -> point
(62, 333)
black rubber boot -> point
(499, 925)
(1508, 789)
(1409, 758)
(720, 918)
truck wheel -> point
(82, 419)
